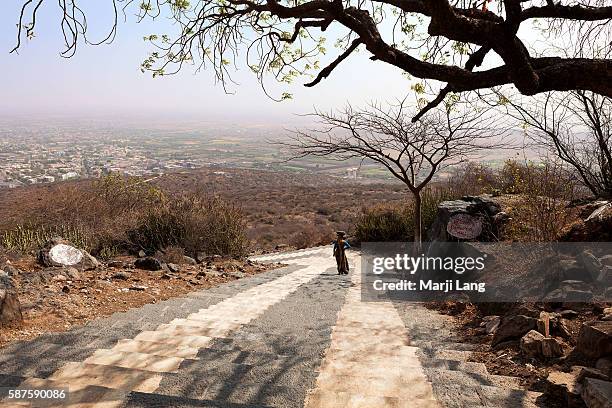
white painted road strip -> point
(370, 364)
(136, 364)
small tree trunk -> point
(417, 220)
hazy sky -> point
(106, 79)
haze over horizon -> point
(105, 80)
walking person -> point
(340, 247)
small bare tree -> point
(413, 152)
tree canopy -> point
(440, 40)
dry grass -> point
(384, 222)
(277, 208)
(114, 215)
(117, 214)
(539, 196)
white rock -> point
(65, 255)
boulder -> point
(597, 227)
(513, 327)
(531, 344)
(551, 347)
(501, 218)
(572, 296)
(535, 345)
(570, 291)
(469, 218)
(604, 279)
(59, 253)
(149, 264)
(604, 365)
(10, 270)
(602, 213)
(597, 393)
(490, 323)
(589, 372)
(591, 264)
(189, 260)
(559, 327)
(88, 262)
(122, 275)
(10, 308)
(573, 284)
(173, 267)
(606, 260)
(568, 314)
(569, 269)
(202, 257)
(115, 264)
(555, 296)
(595, 339)
(563, 384)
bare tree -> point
(411, 152)
(440, 40)
(577, 127)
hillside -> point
(293, 209)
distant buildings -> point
(70, 175)
(351, 173)
(31, 157)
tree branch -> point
(324, 73)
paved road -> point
(293, 337)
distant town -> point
(40, 153)
(35, 158)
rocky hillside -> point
(560, 345)
(65, 286)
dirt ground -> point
(52, 302)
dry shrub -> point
(94, 216)
(541, 211)
(195, 223)
(27, 237)
(171, 254)
(386, 223)
(383, 223)
(117, 213)
(309, 236)
(471, 179)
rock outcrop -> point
(596, 225)
(595, 339)
(469, 218)
(513, 327)
(565, 386)
(597, 393)
(149, 264)
(536, 345)
(10, 308)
